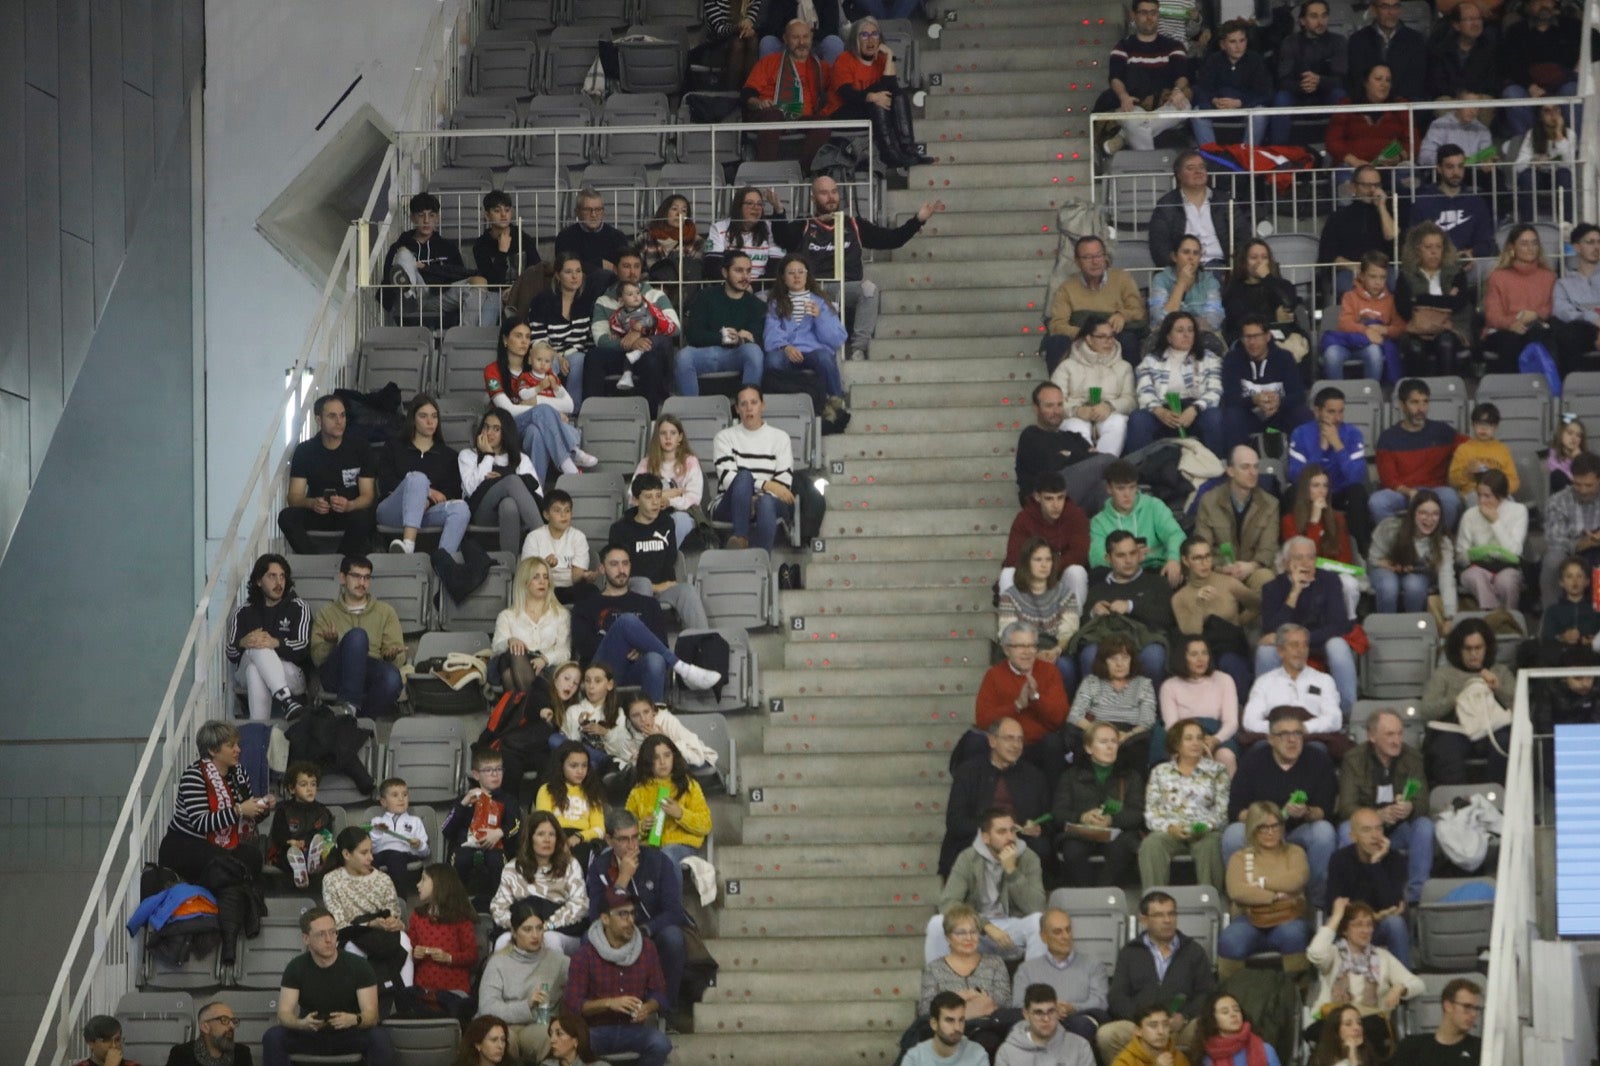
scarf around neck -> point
(221, 794)
(1366, 965)
(626, 955)
(1221, 1049)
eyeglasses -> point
(221, 1019)
(1297, 734)
(1020, 647)
(869, 35)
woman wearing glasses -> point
(863, 85)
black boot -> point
(906, 138)
(884, 139)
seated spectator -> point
(1414, 454)
(1001, 780)
(1570, 516)
(1538, 57)
(103, 1036)
(754, 464)
(564, 549)
(1308, 597)
(400, 837)
(789, 85)
(505, 254)
(1387, 42)
(1073, 984)
(1098, 386)
(1571, 440)
(484, 827)
(1518, 302)
(652, 882)
(633, 336)
(863, 85)
(747, 232)
(1230, 78)
(523, 977)
(1479, 454)
(1340, 452)
(214, 1045)
(1373, 138)
(499, 480)
(1571, 700)
(424, 275)
(1001, 880)
(616, 981)
(301, 840)
(1462, 59)
(1111, 693)
(327, 1001)
(641, 720)
(1226, 1036)
(1030, 689)
(1461, 1009)
(419, 481)
(1041, 1036)
(1152, 1040)
(1048, 447)
(268, 638)
(803, 331)
(1099, 810)
(1348, 962)
(357, 645)
(1098, 300)
(1255, 286)
(1466, 219)
(1180, 388)
(1434, 298)
(1185, 809)
(1369, 326)
(669, 457)
(1160, 966)
(1267, 886)
(956, 1003)
(546, 871)
(1299, 783)
(1295, 683)
(522, 383)
(1193, 207)
(732, 43)
(1241, 519)
(1544, 157)
(562, 317)
(1130, 602)
(1185, 287)
(1363, 225)
(332, 485)
(1371, 870)
(777, 16)
(1216, 606)
(724, 329)
(1157, 533)
(1312, 515)
(597, 243)
(1413, 559)
(672, 246)
(1465, 129)
(669, 799)
(1576, 302)
(648, 535)
(1049, 515)
(1469, 653)
(1046, 601)
(1148, 71)
(1198, 692)
(366, 907)
(1570, 621)
(1312, 68)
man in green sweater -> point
(1147, 518)
(722, 330)
(357, 645)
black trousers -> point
(360, 529)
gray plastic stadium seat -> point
(196, 974)
(1295, 253)
(597, 501)
(738, 587)
(1580, 395)
(906, 44)
(1402, 656)
(401, 354)
(624, 189)
(1422, 1014)
(262, 958)
(684, 12)
(1448, 401)
(1527, 424)
(784, 175)
(705, 146)
(1132, 252)
(1414, 727)
(615, 431)
(315, 579)
(614, 14)
(463, 353)
(634, 149)
(430, 753)
(154, 1021)
(335, 789)
(1549, 237)
(532, 15)
(703, 417)
(741, 687)
(540, 196)
(1201, 913)
(1442, 797)
(698, 183)
(1364, 406)
(404, 582)
(569, 54)
(460, 191)
(712, 729)
(424, 1041)
(505, 68)
(792, 413)
(256, 1011)
(544, 152)
(477, 613)
(472, 114)
(1136, 180)
(1450, 936)
(1100, 921)
(652, 59)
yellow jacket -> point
(1473, 453)
(691, 829)
(590, 820)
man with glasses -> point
(1363, 225)
(1001, 780)
(1029, 690)
(214, 1045)
(1221, 223)
(654, 886)
(1371, 870)
(1577, 301)
(1148, 71)
(1453, 1043)
(1160, 966)
(597, 244)
(357, 645)
(1040, 1039)
(1100, 290)
(1301, 780)
(1241, 519)
(1262, 390)
(327, 1001)
(1462, 60)
(1386, 42)
(615, 984)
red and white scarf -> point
(222, 795)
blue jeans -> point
(644, 1040)
(408, 506)
(1319, 839)
(1400, 592)
(628, 633)
(1278, 128)
(375, 1044)
(1152, 661)
(371, 685)
(1340, 347)
(824, 362)
(1144, 429)
(1415, 838)
(1386, 502)
(1341, 665)
(1240, 939)
(545, 438)
(827, 49)
(734, 506)
(1205, 131)
(1520, 120)
(574, 379)
(747, 358)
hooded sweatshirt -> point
(1067, 535)
(1084, 369)
(1150, 521)
(1062, 1049)
(1138, 1053)
(1360, 309)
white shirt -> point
(571, 550)
(1200, 225)
(1312, 690)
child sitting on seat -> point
(398, 836)
(302, 829)
(483, 826)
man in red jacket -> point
(1413, 454)
(1051, 515)
(1029, 690)
(789, 86)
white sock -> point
(632, 356)
(568, 466)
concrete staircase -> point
(829, 877)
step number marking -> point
(818, 545)
(797, 623)
(776, 705)
(949, 16)
(757, 795)
(837, 466)
(935, 79)
(733, 887)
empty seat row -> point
(544, 15)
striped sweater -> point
(764, 451)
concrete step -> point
(898, 275)
(985, 224)
(993, 518)
(782, 1049)
(1058, 175)
(1050, 107)
(910, 800)
(914, 301)
(973, 652)
(886, 1020)
(1063, 149)
(816, 605)
(999, 419)
(753, 864)
(1025, 370)
(817, 894)
(832, 771)
(1104, 22)
(860, 986)
(969, 395)
(922, 472)
(861, 453)
(874, 710)
(869, 497)
(824, 631)
(939, 549)
(942, 132)
(842, 739)
(841, 921)
(930, 249)
(960, 36)
(1023, 344)
(830, 954)
(1029, 58)
(1018, 82)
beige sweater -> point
(1232, 602)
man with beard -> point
(214, 1046)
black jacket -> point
(1261, 778)
(1134, 983)
(1407, 60)
(972, 792)
(592, 617)
(400, 457)
(502, 268)
(814, 238)
(776, 14)
(1450, 73)
(1378, 885)
(1044, 451)
(1168, 224)
(183, 1055)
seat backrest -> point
(793, 413)
(624, 190)
(152, 1022)
(463, 354)
(1135, 181)
(615, 430)
(1100, 920)
(1448, 401)
(404, 582)
(1412, 722)
(430, 753)
(1580, 395)
(1527, 410)
(1451, 935)
(505, 68)
(652, 66)
(542, 150)
(571, 52)
(262, 958)
(256, 1011)
(400, 354)
(477, 613)
(484, 151)
(536, 15)
(1403, 650)
(1131, 252)
(741, 687)
(540, 195)
(436, 644)
(634, 149)
(1296, 254)
(683, 12)
(697, 183)
(460, 191)
(1442, 798)
(703, 417)
(597, 501)
(712, 729)
(614, 14)
(736, 587)
(424, 1041)
(705, 146)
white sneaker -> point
(858, 355)
(401, 546)
(584, 459)
(625, 382)
(568, 466)
(696, 677)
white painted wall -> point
(272, 71)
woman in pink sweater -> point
(1518, 301)
(1199, 691)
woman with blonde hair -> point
(1267, 881)
(534, 633)
(1518, 300)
